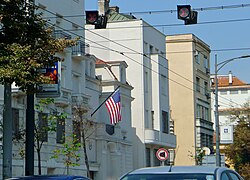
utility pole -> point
(7, 132)
(217, 127)
(30, 123)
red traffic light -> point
(92, 17)
(184, 11)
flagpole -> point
(104, 101)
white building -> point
(142, 47)
(233, 93)
(85, 85)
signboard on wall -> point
(226, 134)
(53, 88)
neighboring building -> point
(83, 85)
(142, 47)
(189, 91)
(233, 93)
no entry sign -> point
(162, 154)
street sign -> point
(162, 154)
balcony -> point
(155, 137)
(59, 34)
(79, 50)
(64, 99)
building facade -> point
(84, 86)
(233, 94)
(189, 92)
(142, 47)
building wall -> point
(142, 74)
(110, 156)
(184, 97)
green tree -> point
(26, 45)
(46, 122)
(69, 152)
(198, 156)
(239, 151)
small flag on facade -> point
(113, 105)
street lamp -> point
(217, 68)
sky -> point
(226, 30)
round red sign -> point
(162, 154)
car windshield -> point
(169, 177)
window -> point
(202, 112)
(76, 84)
(43, 126)
(244, 91)
(224, 176)
(146, 83)
(15, 124)
(60, 131)
(205, 62)
(153, 119)
(146, 119)
(163, 85)
(165, 122)
(234, 176)
(77, 130)
(206, 88)
(223, 92)
(197, 57)
(148, 157)
(151, 49)
(197, 84)
(233, 91)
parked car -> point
(183, 173)
(50, 177)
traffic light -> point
(184, 12)
(92, 17)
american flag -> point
(113, 105)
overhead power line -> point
(121, 53)
(196, 9)
(171, 10)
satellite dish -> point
(207, 150)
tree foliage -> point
(239, 151)
(69, 152)
(26, 44)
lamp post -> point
(218, 66)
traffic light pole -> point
(29, 145)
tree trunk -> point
(85, 154)
(39, 161)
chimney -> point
(114, 9)
(230, 78)
(103, 6)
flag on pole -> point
(113, 104)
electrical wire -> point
(124, 54)
(171, 11)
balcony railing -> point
(80, 49)
(159, 138)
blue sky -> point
(226, 39)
